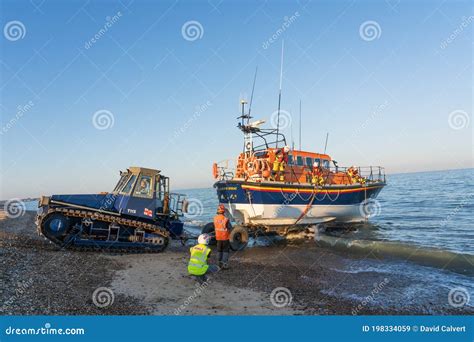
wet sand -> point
(38, 278)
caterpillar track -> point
(75, 236)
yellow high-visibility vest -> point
(198, 261)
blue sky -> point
(391, 81)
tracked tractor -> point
(139, 215)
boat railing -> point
(226, 169)
(298, 174)
(269, 138)
(335, 175)
(373, 174)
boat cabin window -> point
(128, 188)
(326, 163)
(290, 159)
(143, 187)
(309, 162)
(299, 161)
(318, 161)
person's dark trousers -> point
(203, 278)
(223, 247)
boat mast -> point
(253, 89)
(326, 143)
(244, 125)
(300, 125)
(292, 140)
(279, 93)
(248, 143)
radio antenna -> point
(300, 125)
(326, 143)
(253, 89)
(279, 93)
(291, 131)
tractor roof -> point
(143, 170)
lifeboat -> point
(272, 188)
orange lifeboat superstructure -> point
(299, 169)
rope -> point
(302, 198)
(337, 196)
(365, 202)
(250, 202)
(305, 211)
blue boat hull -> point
(278, 204)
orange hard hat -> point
(220, 209)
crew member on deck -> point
(317, 175)
(354, 176)
(281, 159)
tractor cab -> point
(145, 193)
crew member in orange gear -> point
(222, 227)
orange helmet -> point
(221, 209)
